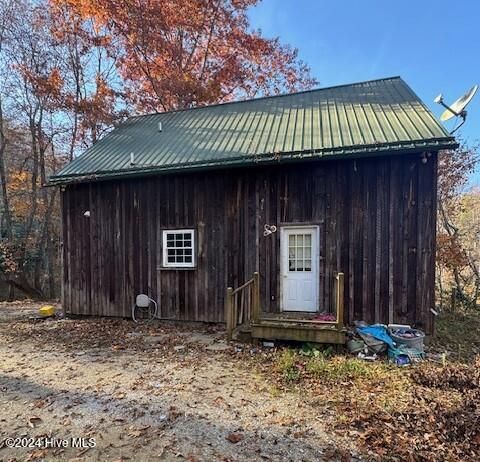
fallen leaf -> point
(36, 454)
(235, 437)
(34, 420)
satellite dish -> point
(457, 109)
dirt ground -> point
(147, 393)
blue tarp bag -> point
(379, 332)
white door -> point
(299, 268)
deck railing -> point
(338, 298)
(242, 304)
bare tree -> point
(458, 261)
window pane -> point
(179, 248)
(291, 240)
(308, 252)
(300, 240)
(299, 265)
(308, 240)
(300, 252)
(291, 265)
(308, 265)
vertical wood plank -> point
(376, 219)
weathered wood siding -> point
(376, 219)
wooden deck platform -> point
(298, 330)
(245, 319)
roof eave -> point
(264, 159)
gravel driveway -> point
(144, 393)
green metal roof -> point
(368, 118)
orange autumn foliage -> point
(458, 263)
(174, 54)
(45, 85)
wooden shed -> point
(267, 214)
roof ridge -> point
(225, 103)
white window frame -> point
(165, 262)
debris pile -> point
(403, 344)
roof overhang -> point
(352, 152)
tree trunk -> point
(21, 283)
(3, 177)
(11, 293)
(51, 268)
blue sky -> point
(433, 44)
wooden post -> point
(256, 297)
(242, 303)
(339, 299)
(229, 313)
